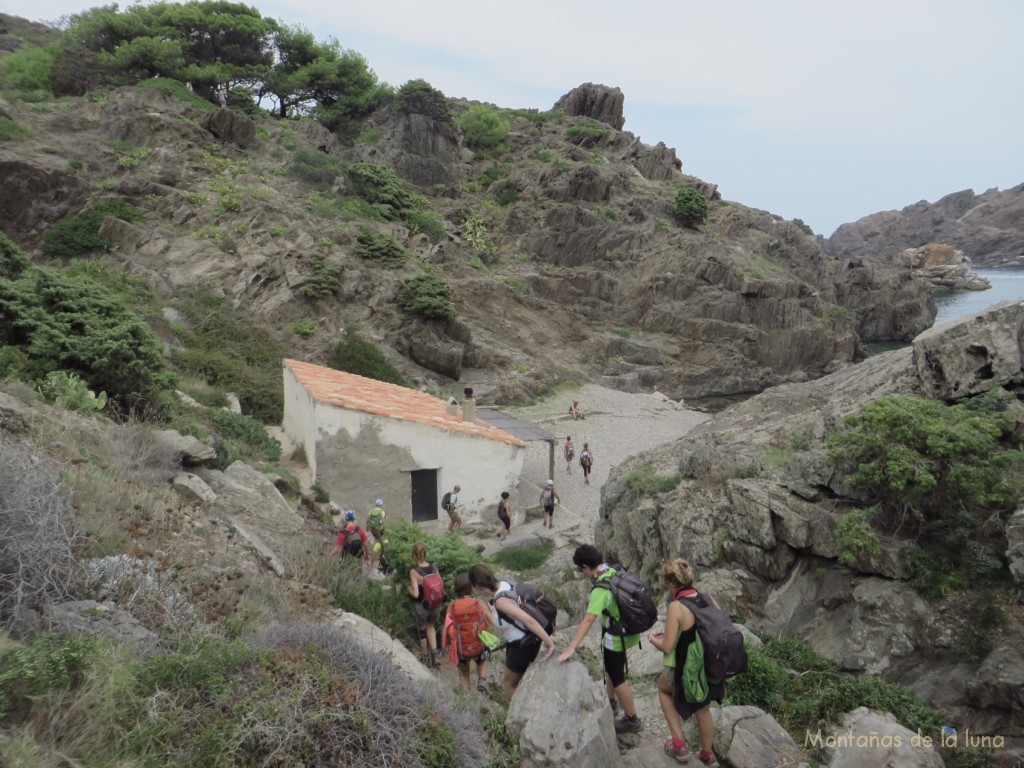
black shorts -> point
(522, 653)
(615, 666)
(549, 510)
(506, 521)
(478, 659)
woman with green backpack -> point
(681, 644)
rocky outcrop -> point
(35, 190)
(422, 149)
(867, 739)
(988, 228)
(657, 163)
(598, 102)
(230, 126)
(757, 507)
(748, 737)
(882, 303)
(942, 267)
(1015, 546)
(560, 717)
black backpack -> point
(446, 500)
(637, 609)
(534, 602)
(725, 655)
(353, 543)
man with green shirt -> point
(602, 604)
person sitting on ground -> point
(425, 617)
(679, 633)
(602, 605)
(505, 516)
(521, 632)
(465, 619)
(548, 499)
(352, 540)
(576, 410)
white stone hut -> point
(366, 439)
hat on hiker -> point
(350, 514)
(380, 502)
(551, 482)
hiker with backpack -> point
(505, 516)
(466, 618)
(450, 504)
(352, 540)
(569, 452)
(619, 631)
(426, 587)
(375, 525)
(548, 499)
(586, 461)
(684, 687)
(517, 622)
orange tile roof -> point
(358, 393)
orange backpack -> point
(469, 617)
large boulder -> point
(560, 716)
(748, 737)
(230, 126)
(942, 267)
(598, 102)
(868, 739)
(1015, 546)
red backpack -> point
(469, 618)
(433, 589)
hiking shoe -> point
(627, 724)
(708, 759)
(676, 749)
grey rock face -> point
(868, 739)
(228, 125)
(748, 737)
(598, 102)
(560, 717)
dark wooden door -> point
(425, 501)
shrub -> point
(938, 471)
(855, 536)
(474, 231)
(316, 168)
(302, 328)
(428, 296)
(355, 354)
(448, 553)
(249, 431)
(76, 324)
(522, 559)
(37, 563)
(374, 245)
(427, 223)
(689, 207)
(587, 132)
(10, 130)
(68, 391)
(26, 73)
(52, 662)
(80, 234)
(379, 186)
(420, 97)
(324, 280)
(483, 127)
(642, 481)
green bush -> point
(52, 662)
(523, 559)
(940, 472)
(171, 87)
(354, 354)
(68, 391)
(324, 280)
(316, 168)
(448, 553)
(373, 245)
(689, 207)
(80, 234)
(587, 132)
(420, 97)
(26, 73)
(379, 186)
(10, 130)
(76, 324)
(854, 536)
(427, 296)
(643, 481)
(247, 430)
(483, 127)
(427, 223)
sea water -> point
(1007, 284)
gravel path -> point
(617, 425)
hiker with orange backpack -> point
(467, 617)
(426, 587)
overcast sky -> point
(824, 111)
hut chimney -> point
(469, 406)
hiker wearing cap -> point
(548, 499)
(352, 540)
(375, 525)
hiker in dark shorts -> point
(548, 499)
(586, 461)
(504, 516)
(680, 631)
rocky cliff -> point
(561, 251)
(757, 510)
(988, 228)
